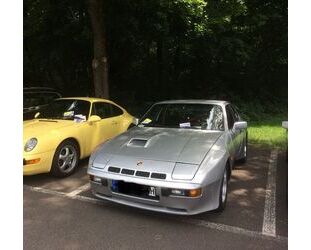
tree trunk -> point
(100, 61)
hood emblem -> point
(139, 163)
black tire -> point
(66, 159)
(244, 158)
(223, 200)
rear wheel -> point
(65, 159)
(223, 191)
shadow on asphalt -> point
(67, 184)
(246, 194)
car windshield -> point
(184, 115)
(66, 109)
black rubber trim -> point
(142, 173)
(158, 176)
(114, 169)
(127, 171)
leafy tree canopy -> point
(162, 49)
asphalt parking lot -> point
(63, 214)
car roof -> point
(194, 101)
(89, 99)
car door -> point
(117, 115)
(241, 134)
(104, 129)
(233, 134)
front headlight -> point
(184, 171)
(91, 160)
(30, 144)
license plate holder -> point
(133, 189)
(152, 191)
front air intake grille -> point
(158, 176)
(114, 170)
(127, 171)
(142, 174)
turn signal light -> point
(195, 192)
(182, 192)
(33, 161)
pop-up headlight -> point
(184, 171)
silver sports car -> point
(178, 159)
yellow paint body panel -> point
(88, 135)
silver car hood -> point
(160, 144)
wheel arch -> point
(75, 141)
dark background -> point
(165, 49)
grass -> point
(268, 133)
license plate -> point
(114, 185)
(152, 191)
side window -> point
(234, 113)
(101, 109)
(229, 117)
(106, 110)
(82, 108)
(31, 100)
(116, 111)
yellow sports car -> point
(67, 130)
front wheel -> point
(223, 192)
(65, 159)
(245, 151)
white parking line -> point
(188, 220)
(79, 190)
(233, 229)
(268, 226)
(62, 194)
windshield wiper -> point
(52, 118)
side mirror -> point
(94, 118)
(135, 121)
(239, 125)
(36, 115)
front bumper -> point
(209, 199)
(43, 166)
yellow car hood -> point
(38, 127)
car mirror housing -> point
(240, 125)
(94, 118)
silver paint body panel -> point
(204, 155)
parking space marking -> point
(188, 220)
(269, 220)
(62, 194)
(79, 190)
(235, 230)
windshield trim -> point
(166, 105)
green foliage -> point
(268, 133)
(165, 49)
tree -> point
(100, 60)
(164, 49)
